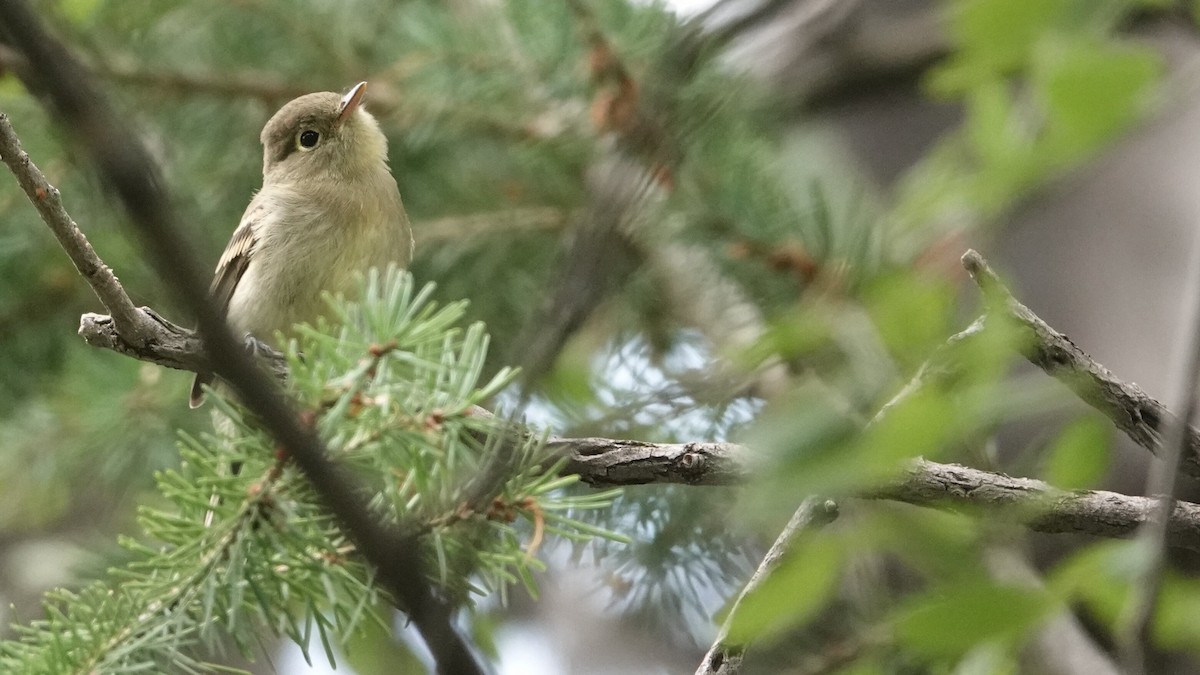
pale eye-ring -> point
(308, 139)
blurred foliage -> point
(1043, 86)
(496, 112)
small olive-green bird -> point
(329, 209)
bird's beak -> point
(350, 103)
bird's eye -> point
(308, 139)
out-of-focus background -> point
(684, 221)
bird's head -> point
(323, 134)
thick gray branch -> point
(1130, 408)
(167, 344)
(606, 461)
(1037, 504)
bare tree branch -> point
(1042, 507)
(604, 462)
(926, 483)
(725, 657)
(1130, 408)
(133, 323)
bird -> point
(329, 210)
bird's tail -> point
(197, 396)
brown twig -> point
(725, 657)
(132, 322)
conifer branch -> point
(184, 591)
(628, 176)
(54, 72)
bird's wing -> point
(230, 268)
(236, 258)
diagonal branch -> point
(134, 324)
(725, 657)
(1130, 408)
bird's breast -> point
(312, 244)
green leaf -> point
(953, 621)
(991, 124)
(807, 436)
(10, 86)
(798, 333)
(939, 544)
(1079, 458)
(919, 425)
(799, 587)
(994, 38)
(1100, 576)
(987, 659)
(78, 12)
(912, 314)
(819, 453)
(1091, 90)
(1175, 625)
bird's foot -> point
(254, 346)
